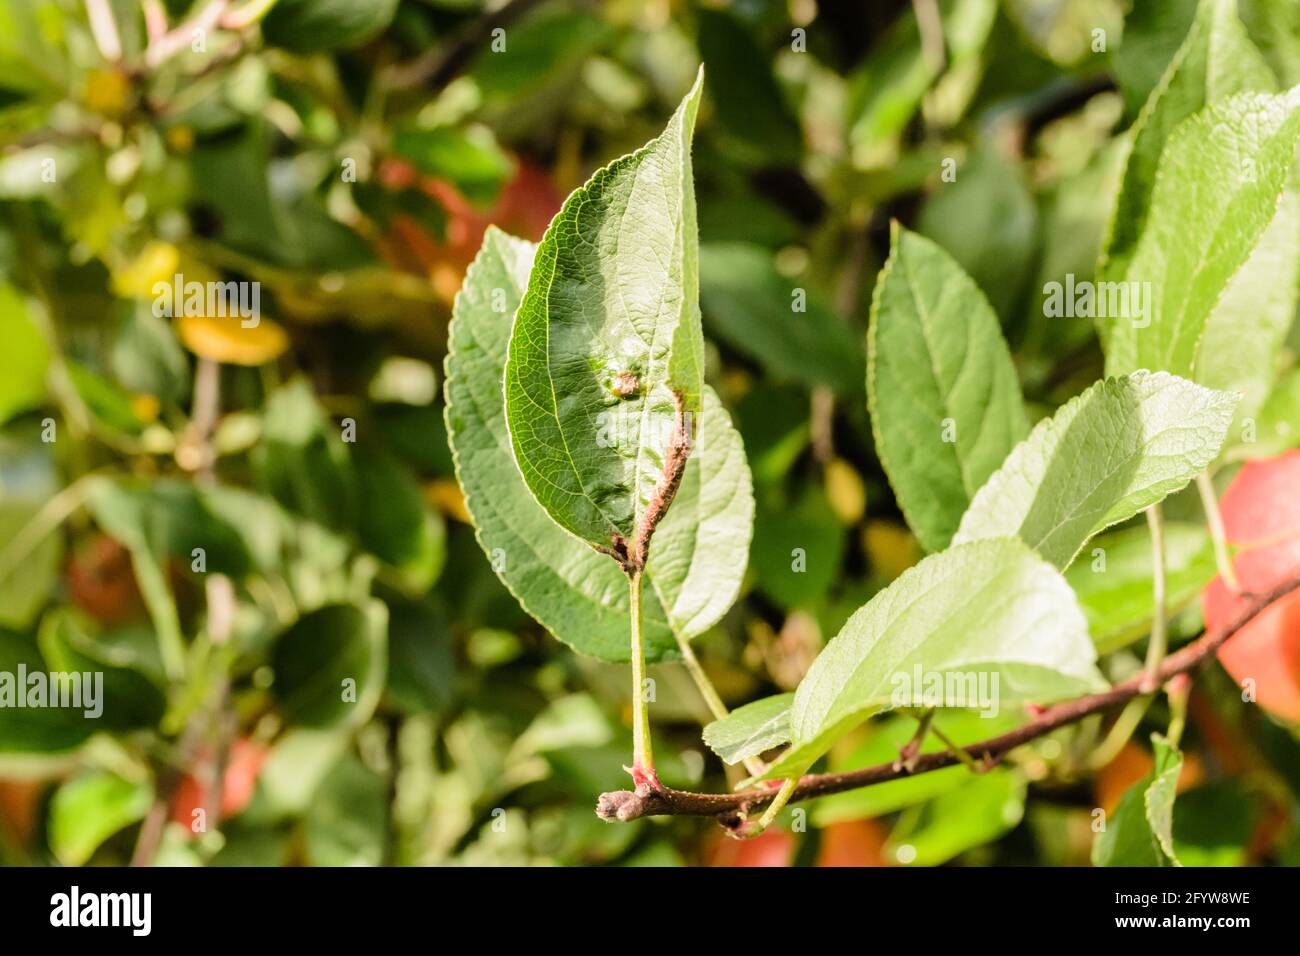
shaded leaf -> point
(1121, 446)
(315, 26)
(749, 104)
(329, 665)
(1140, 831)
(989, 608)
(790, 329)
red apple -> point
(1261, 517)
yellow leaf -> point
(227, 340)
(181, 138)
(157, 262)
(445, 495)
(106, 91)
(145, 407)
(890, 547)
(845, 491)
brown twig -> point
(731, 808)
(675, 455)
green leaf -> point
(1216, 191)
(329, 665)
(469, 159)
(27, 588)
(700, 550)
(1275, 28)
(578, 595)
(316, 26)
(292, 775)
(347, 819)
(105, 399)
(147, 358)
(1215, 823)
(1123, 445)
(1245, 332)
(1215, 60)
(1114, 586)
(790, 329)
(393, 522)
(990, 608)
(1153, 32)
(988, 222)
(750, 730)
(301, 460)
(611, 308)
(798, 549)
(749, 104)
(89, 809)
(889, 88)
(173, 518)
(538, 49)
(128, 699)
(1277, 428)
(34, 730)
(24, 358)
(421, 657)
(1140, 831)
(945, 403)
(978, 812)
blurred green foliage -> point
(232, 523)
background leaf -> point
(89, 809)
(1114, 581)
(319, 652)
(945, 404)
(1140, 831)
(750, 305)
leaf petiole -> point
(1159, 642)
(643, 764)
(1214, 521)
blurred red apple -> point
(852, 843)
(1261, 517)
(527, 203)
(770, 848)
(101, 581)
(242, 767)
